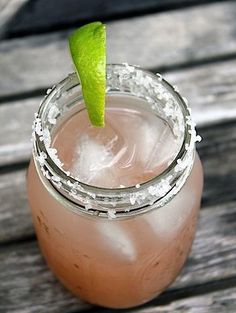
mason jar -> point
(115, 247)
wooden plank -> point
(197, 34)
(30, 286)
(219, 158)
(40, 16)
(217, 151)
(213, 249)
(16, 126)
(209, 88)
(15, 219)
(8, 9)
(222, 301)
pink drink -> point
(119, 261)
(133, 147)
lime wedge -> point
(88, 51)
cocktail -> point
(115, 207)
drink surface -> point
(134, 146)
(143, 253)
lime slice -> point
(88, 51)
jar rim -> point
(64, 182)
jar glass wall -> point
(115, 247)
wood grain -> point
(211, 302)
(15, 219)
(43, 16)
(16, 127)
(28, 286)
(217, 151)
(197, 34)
(219, 158)
(8, 9)
(26, 283)
(210, 89)
(170, 40)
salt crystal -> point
(92, 195)
(45, 172)
(160, 96)
(41, 158)
(152, 190)
(46, 137)
(159, 76)
(192, 132)
(168, 110)
(191, 123)
(69, 183)
(139, 77)
(88, 206)
(73, 192)
(56, 178)
(58, 184)
(181, 165)
(176, 89)
(165, 185)
(38, 127)
(152, 201)
(147, 81)
(187, 147)
(198, 138)
(132, 199)
(111, 213)
(130, 68)
(52, 114)
(53, 154)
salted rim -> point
(63, 181)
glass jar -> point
(118, 247)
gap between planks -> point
(209, 88)
(215, 300)
(217, 151)
(8, 10)
(33, 18)
(197, 33)
(206, 270)
(209, 297)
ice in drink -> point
(134, 146)
(122, 233)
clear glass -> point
(115, 247)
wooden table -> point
(193, 43)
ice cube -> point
(91, 161)
(159, 147)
